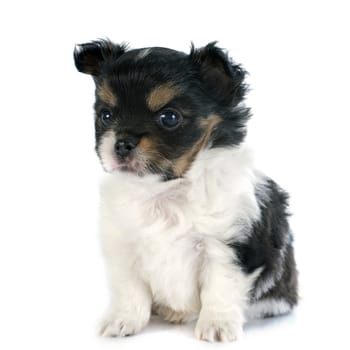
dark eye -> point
(169, 119)
(106, 116)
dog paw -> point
(121, 326)
(223, 330)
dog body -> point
(190, 229)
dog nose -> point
(124, 147)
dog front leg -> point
(223, 293)
(130, 306)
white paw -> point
(222, 330)
(121, 326)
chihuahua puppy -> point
(190, 229)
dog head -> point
(157, 108)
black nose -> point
(123, 147)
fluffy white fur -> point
(267, 307)
(106, 151)
(163, 244)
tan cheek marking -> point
(183, 163)
(160, 96)
(106, 95)
(148, 150)
(146, 145)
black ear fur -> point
(223, 78)
(90, 57)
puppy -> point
(190, 229)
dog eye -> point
(169, 119)
(105, 116)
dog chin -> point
(127, 168)
(130, 166)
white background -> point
(53, 287)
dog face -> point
(157, 108)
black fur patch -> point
(270, 247)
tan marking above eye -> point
(183, 163)
(106, 95)
(161, 95)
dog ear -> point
(223, 78)
(90, 57)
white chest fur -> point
(162, 231)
